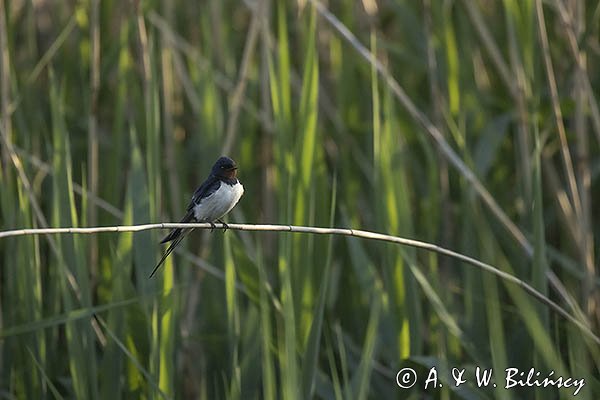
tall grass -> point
(113, 112)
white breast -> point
(219, 203)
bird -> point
(214, 198)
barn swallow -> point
(217, 195)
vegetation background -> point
(477, 129)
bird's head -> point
(225, 167)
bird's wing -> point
(207, 188)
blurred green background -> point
(480, 133)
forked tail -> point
(174, 234)
(182, 233)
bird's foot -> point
(212, 226)
(225, 226)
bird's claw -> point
(225, 226)
(212, 226)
